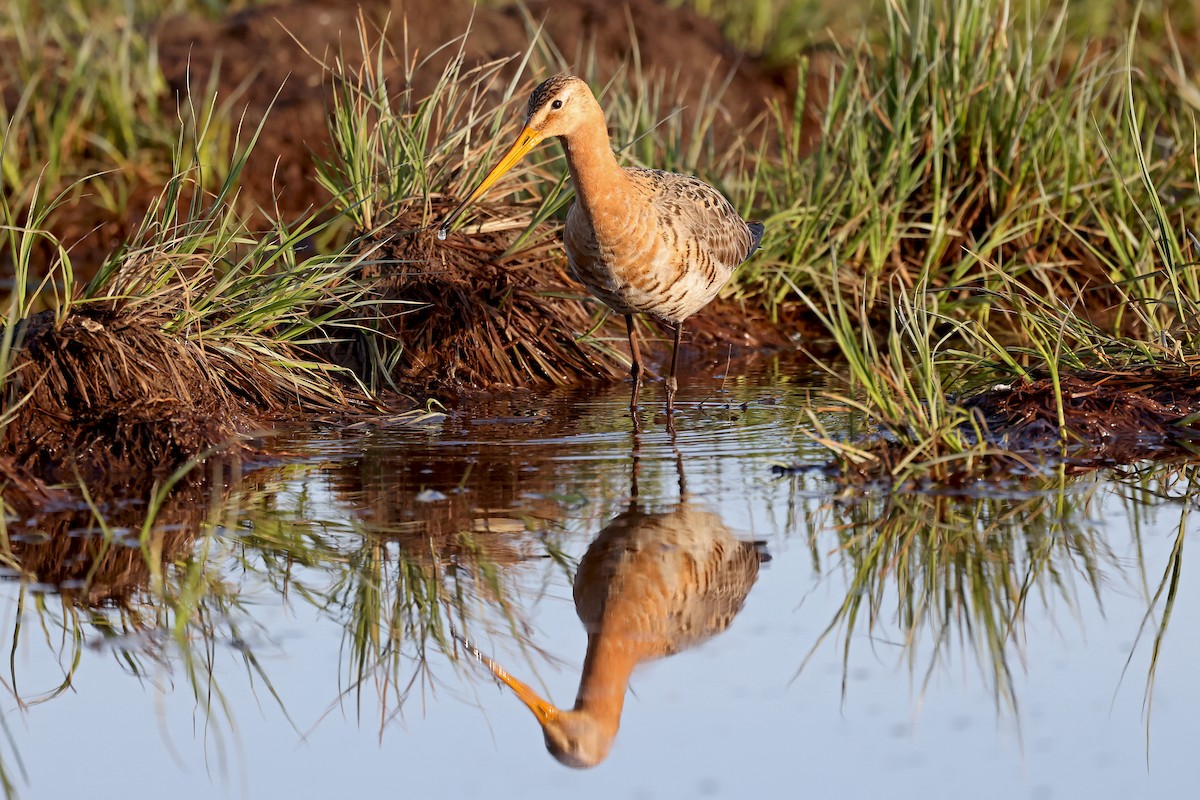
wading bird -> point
(649, 586)
(641, 240)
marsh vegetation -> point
(238, 365)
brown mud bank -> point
(461, 316)
(1091, 420)
(109, 400)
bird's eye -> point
(557, 104)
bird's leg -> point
(635, 365)
(672, 383)
(636, 454)
(682, 478)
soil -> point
(268, 64)
(1110, 419)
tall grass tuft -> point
(190, 335)
(988, 198)
(395, 151)
(973, 133)
(86, 113)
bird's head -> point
(557, 107)
(576, 738)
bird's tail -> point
(756, 234)
(760, 549)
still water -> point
(302, 634)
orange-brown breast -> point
(661, 243)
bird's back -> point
(666, 251)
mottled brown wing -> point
(674, 578)
(691, 211)
(718, 590)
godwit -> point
(641, 240)
(649, 586)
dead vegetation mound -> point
(1108, 417)
(108, 395)
(461, 315)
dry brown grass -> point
(106, 393)
(462, 315)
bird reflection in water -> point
(649, 586)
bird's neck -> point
(598, 178)
(609, 662)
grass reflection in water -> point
(397, 549)
(928, 573)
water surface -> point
(296, 635)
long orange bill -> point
(528, 140)
(545, 711)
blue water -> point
(256, 690)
